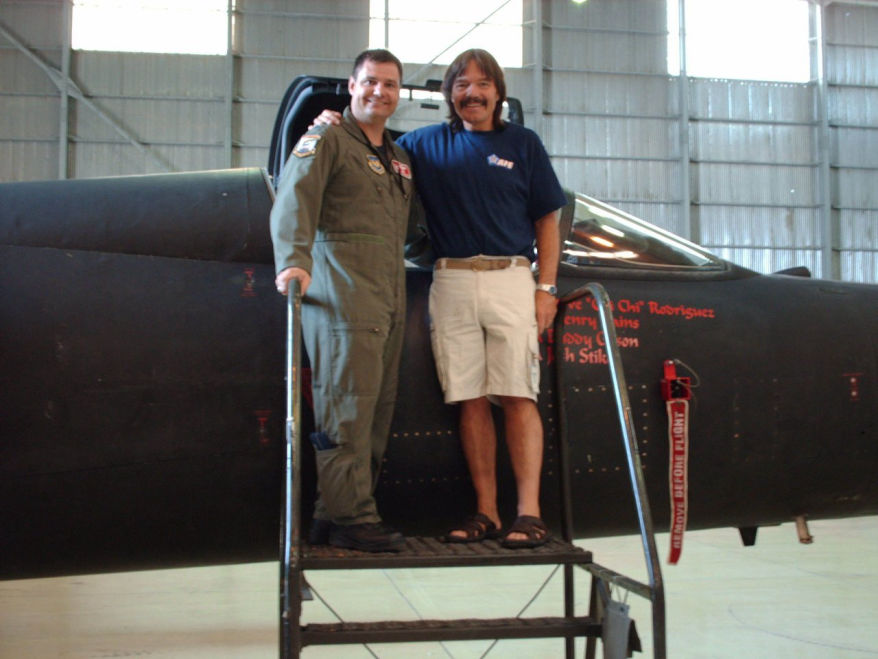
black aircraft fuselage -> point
(142, 393)
(142, 386)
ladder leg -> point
(591, 641)
(569, 610)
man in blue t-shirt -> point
(489, 192)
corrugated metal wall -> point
(769, 175)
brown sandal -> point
(533, 527)
(476, 528)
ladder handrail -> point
(655, 589)
(290, 545)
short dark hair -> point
(489, 67)
(379, 55)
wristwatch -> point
(551, 289)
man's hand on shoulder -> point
(327, 118)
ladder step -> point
(468, 629)
(430, 552)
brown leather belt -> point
(480, 263)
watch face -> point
(548, 288)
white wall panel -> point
(855, 188)
(853, 65)
(752, 184)
(611, 137)
(614, 52)
(853, 106)
(611, 180)
(632, 15)
(268, 79)
(91, 158)
(19, 75)
(38, 24)
(149, 74)
(751, 101)
(763, 143)
(855, 147)
(29, 117)
(255, 122)
(29, 160)
(304, 35)
(859, 266)
(157, 121)
(852, 24)
(858, 229)
(747, 226)
(612, 94)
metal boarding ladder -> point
(654, 591)
(427, 552)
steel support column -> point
(690, 226)
(64, 106)
(830, 262)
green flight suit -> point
(342, 215)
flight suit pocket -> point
(357, 357)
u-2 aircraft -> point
(143, 390)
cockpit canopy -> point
(595, 234)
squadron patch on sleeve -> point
(306, 146)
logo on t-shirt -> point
(496, 161)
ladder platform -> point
(468, 629)
(430, 552)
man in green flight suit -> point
(339, 226)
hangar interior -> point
(770, 175)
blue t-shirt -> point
(482, 191)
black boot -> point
(319, 532)
(366, 537)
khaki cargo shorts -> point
(483, 328)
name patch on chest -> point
(402, 169)
(496, 161)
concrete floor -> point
(777, 599)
